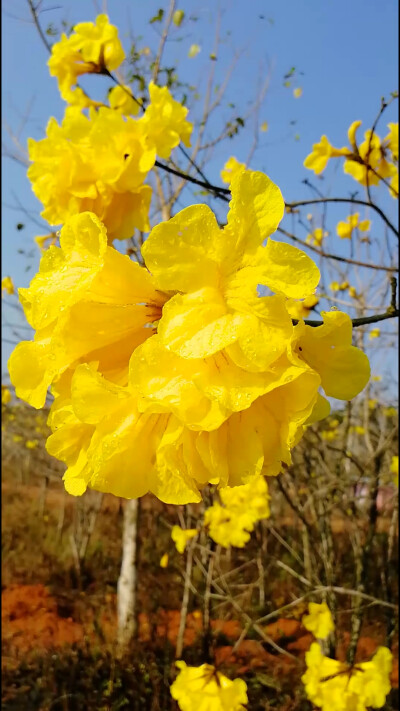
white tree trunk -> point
(127, 581)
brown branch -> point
(327, 255)
(35, 18)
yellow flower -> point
(301, 309)
(316, 237)
(370, 154)
(374, 333)
(321, 153)
(121, 99)
(353, 292)
(297, 92)
(164, 560)
(216, 273)
(394, 468)
(232, 523)
(334, 686)
(7, 285)
(263, 128)
(181, 536)
(205, 688)
(17, 438)
(231, 168)
(76, 169)
(6, 396)
(345, 229)
(164, 121)
(88, 301)
(319, 620)
(31, 443)
(329, 351)
(91, 48)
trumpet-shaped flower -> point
(165, 122)
(100, 162)
(321, 153)
(345, 229)
(369, 164)
(301, 309)
(182, 536)
(75, 169)
(88, 302)
(217, 273)
(319, 620)
(328, 350)
(91, 48)
(230, 169)
(334, 686)
(205, 689)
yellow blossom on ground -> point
(205, 689)
(6, 396)
(345, 229)
(394, 468)
(7, 285)
(17, 438)
(372, 403)
(165, 122)
(181, 537)
(334, 686)
(316, 237)
(319, 620)
(31, 443)
(121, 99)
(91, 48)
(230, 169)
(358, 429)
(164, 560)
(374, 333)
(329, 435)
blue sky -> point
(344, 53)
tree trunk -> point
(127, 581)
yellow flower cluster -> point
(205, 688)
(319, 620)
(90, 49)
(345, 229)
(370, 162)
(99, 162)
(242, 506)
(178, 374)
(335, 686)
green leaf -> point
(158, 17)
